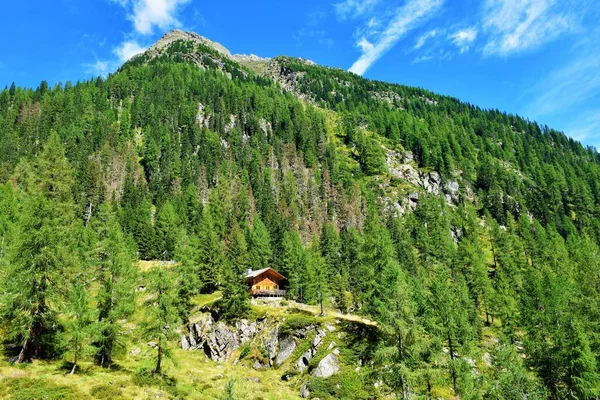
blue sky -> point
(537, 58)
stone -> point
(153, 344)
(331, 346)
(254, 379)
(220, 343)
(271, 344)
(135, 351)
(184, 343)
(258, 365)
(327, 367)
(336, 352)
(287, 345)
(329, 327)
(302, 363)
(304, 392)
(319, 338)
(487, 359)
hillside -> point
(470, 237)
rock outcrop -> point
(218, 340)
(287, 345)
(308, 355)
(328, 366)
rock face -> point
(327, 366)
(287, 345)
(218, 340)
(271, 345)
(308, 355)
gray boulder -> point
(327, 366)
(304, 392)
(184, 343)
(220, 343)
(304, 360)
(287, 345)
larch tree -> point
(42, 255)
(162, 320)
(115, 272)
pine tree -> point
(42, 256)
(115, 273)
(162, 321)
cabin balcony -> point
(267, 293)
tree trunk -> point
(159, 359)
(451, 348)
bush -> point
(245, 350)
(295, 322)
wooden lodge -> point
(265, 282)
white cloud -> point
(421, 59)
(99, 68)
(518, 25)
(464, 38)
(354, 8)
(128, 49)
(424, 38)
(148, 14)
(406, 18)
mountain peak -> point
(177, 34)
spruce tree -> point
(211, 255)
(260, 245)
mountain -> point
(454, 249)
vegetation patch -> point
(37, 388)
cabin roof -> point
(254, 274)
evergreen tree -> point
(162, 319)
(211, 255)
(42, 256)
(294, 265)
(168, 231)
(188, 274)
(78, 332)
(261, 252)
(115, 272)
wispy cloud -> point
(128, 49)
(464, 38)
(421, 40)
(148, 14)
(421, 59)
(576, 83)
(99, 68)
(354, 8)
(405, 19)
(517, 25)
